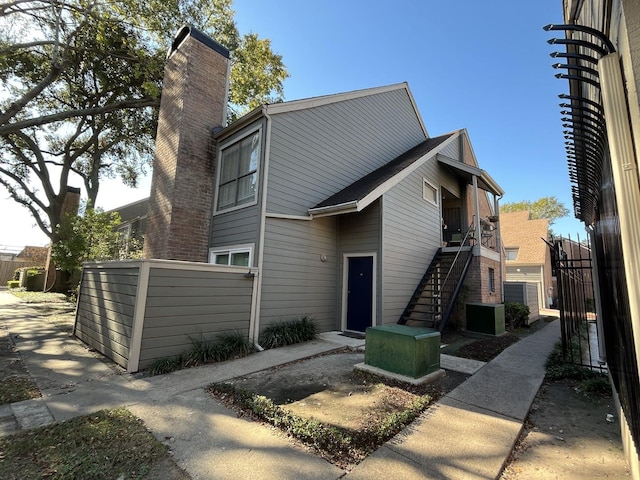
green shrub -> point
(13, 283)
(589, 382)
(166, 365)
(597, 385)
(590, 304)
(202, 351)
(225, 346)
(235, 345)
(516, 314)
(289, 332)
(34, 279)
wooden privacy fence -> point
(136, 312)
(7, 267)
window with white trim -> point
(237, 257)
(492, 280)
(238, 172)
(429, 192)
(511, 253)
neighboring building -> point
(133, 225)
(527, 255)
(8, 254)
(34, 256)
(27, 257)
(599, 56)
(581, 255)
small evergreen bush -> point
(516, 314)
(13, 284)
(35, 279)
(589, 382)
(226, 346)
(166, 365)
(289, 332)
(590, 304)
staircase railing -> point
(463, 243)
(450, 301)
(442, 288)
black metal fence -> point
(580, 325)
(572, 268)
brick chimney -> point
(193, 103)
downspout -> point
(254, 329)
(595, 279)
(476, 207)
(496, 209)
(625, 176)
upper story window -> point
(511, 253)
(429, 192)
(238, 173)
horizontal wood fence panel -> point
(178, 303)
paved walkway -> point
(469, 434)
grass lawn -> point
(39, 297)
(109, 444)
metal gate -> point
(572, 267)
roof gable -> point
(528, 236)
(315, 102)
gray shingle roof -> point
(361, 188)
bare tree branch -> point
(23, 185)
(22, 102)
(59, 116)
(35, 213)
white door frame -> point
(345, 285)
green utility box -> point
(485, 318)
(413, 352)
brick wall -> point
(476, 288)
(194, 99)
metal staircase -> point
(434, 298)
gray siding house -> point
(345, 213)
(334, 206)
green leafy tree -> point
(545, 207)
(81, 85)
(84, 238)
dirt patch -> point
(487, 349)
(568, 436)
(327, 389)
(482, 347)
(15, 382)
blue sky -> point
(479, 65)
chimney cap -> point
(190, 31)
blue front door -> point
(359, 293)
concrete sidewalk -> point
(472, 430)
(468, 434)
